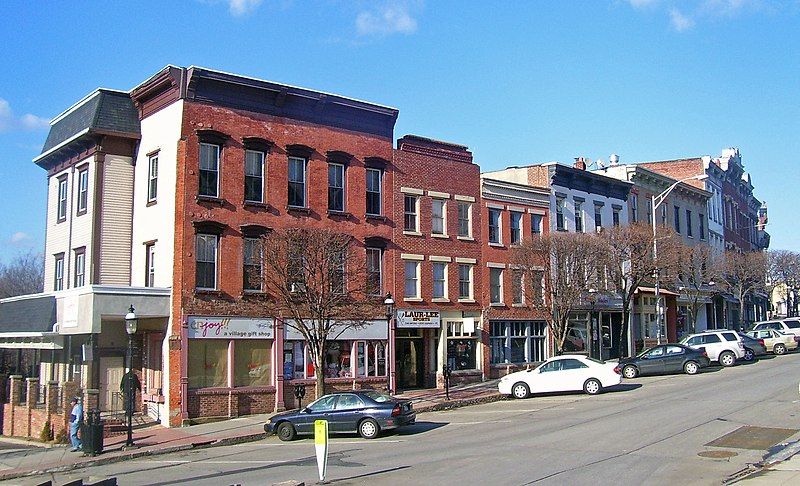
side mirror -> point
(306, 410)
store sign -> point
(231, 328)
(412, 318)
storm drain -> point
(755, 438)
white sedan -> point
(562, 373)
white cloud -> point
(642, 3)
(19, 237)
(8, 121)
(239, 8)
(391, 18)
(679, 21)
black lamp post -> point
(389, 303)
(131, 322)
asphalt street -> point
(649, 430)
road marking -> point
(304, 441)
(195, 461)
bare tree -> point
(571, 259)
(626, 254)
(318, 280)
(24, 274)
(784, 273)
(698, 272)
(743, 275)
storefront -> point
(417, 338)
(595, 330)
(514, 344)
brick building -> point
(439, 280)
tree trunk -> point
(624, 345)
(318, 356)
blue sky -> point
(517, 82)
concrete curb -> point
(764, 465)
(464, 402)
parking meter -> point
(299, 393)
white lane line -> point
(188, 461)
(306, 441)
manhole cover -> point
(755, 438)
(717, 454)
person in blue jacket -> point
(75, 421)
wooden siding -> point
(116, 220)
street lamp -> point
(389, 303)
(131, 322)
(657, 201)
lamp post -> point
(131, 322)
(389, 303)
(656, 202)
(593, 331)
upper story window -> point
(578, 216)
(516, 227)
(209, 170)
(83, 190)
(374, 271)
(374, 177)
(702, 226)
(650, 211)
(150, 265)
(536, 224)
(464, 219)
(615, 217)
(439, 280)
(80, 267)
(464, 281)
(494, 226)
(634, 208)
(411, 287)
(297, 182)
(62, 198)
(677, 211)
(252, 278)
(598, 216)
(560, 213)
(206, 261)
(254, 175)
(411, 213)
(58, 282)
(438, 216)
(496, 285)
(337, 272)
(688, 223)
(152, 178)
(335, 187)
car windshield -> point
(378, 396)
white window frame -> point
(444, 280)
(249, 240)
(63, 196)
(442, 216)
(468, 219)
(58, 283)
(499, 232)
(379, 192)
(217, 151)
(207, 238)
(580, 227)
(407, 214)
(152, 178)
(304, 182)
(262, 165)
(492, 271)
(83, 191)
(340, 168)
(416, 266)
(470, 269)
(517, 283)
(518, 229)
(150, 265)
(560, 222)
(80, 267)
(634, 208)
(379, 289)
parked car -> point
(789, 326)
(776, 341)
(724, 347)
(367, 412)
(666, 358)
(562, 373)
(752, 347)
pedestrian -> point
(136, 385)
(75, 421)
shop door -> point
(409, 363)
(111, 371)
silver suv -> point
(722, 346)
(787, 326)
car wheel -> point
(592, 386)
(727, 358)
(780, 349)
(749, 355)
(691, 368)
(629, 372)
(286, 432)
(368, 429)
(520, 390)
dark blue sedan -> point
(666, 358)
(367, 412)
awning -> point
(652, 290)
(31, 341)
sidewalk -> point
(153, 440)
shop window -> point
(577, 339)
(297, 363)
(461, 347)
(337, 360)
(370, 358)
(252, 363)
(208, 363)
(517, 341)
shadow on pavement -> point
(622, 387)
(419, 428)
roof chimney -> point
(580, 163)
